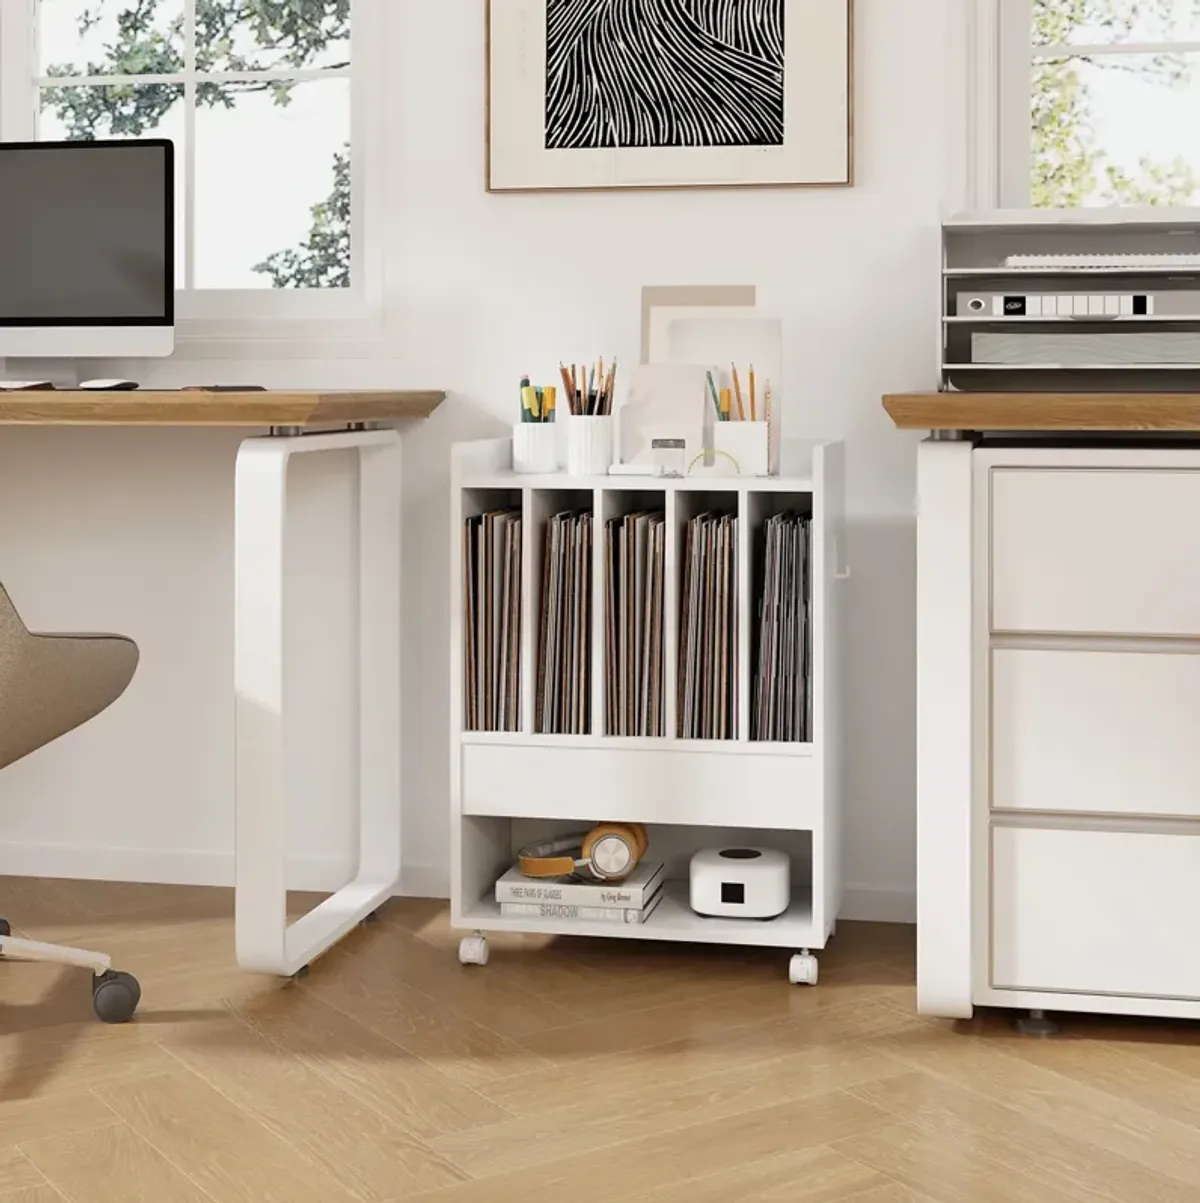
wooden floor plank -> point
(659, 1161)
(600, 1120)
(17, 1172)
(101, 1166)
(56, 1115)
(375, 1158)
(405, 1090)
(218, 1146)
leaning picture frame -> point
(578, 98)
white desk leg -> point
(944, 705)
(265, 942)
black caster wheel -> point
(373, 917)
(5, 929)
(115, 996)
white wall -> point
(132, 531)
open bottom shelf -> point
(672, 920)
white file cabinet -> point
(1058, 728)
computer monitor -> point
(87, 249)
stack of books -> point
(582, 898)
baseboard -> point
(181, 868)
(874, 905)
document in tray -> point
(563, 695)
(634, 590)
(781, 702)
(492, 621)
(707, 685)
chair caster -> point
(373, 917)
(115, 996)
(5, 929)
(802, 969)
(473, 950)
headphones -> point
(610, 852)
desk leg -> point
(265, 941)
(944, 709)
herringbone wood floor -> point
(576, 1070)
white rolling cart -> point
(508, 787)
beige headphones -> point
(610, 852)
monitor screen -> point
(87, 234)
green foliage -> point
(322, 260)
(230, 35)
(1069, 168)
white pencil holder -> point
(535, 447)
(743, 443)
(590, 445)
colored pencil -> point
(737, 388)
(753, 407)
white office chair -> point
(49, 685)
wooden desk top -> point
(1044, 411)
(187, 407)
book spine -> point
(576, 895)
(556, 910)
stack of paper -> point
(708, 630)
(492, 621)
(563, 703)
(782, 694)
(635, 572)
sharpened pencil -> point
(737, 392)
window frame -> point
(1000, 84)
(221, 323)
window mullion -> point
(189, 144)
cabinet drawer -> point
(1096, 912)
(1103, 732)
(1096, 551)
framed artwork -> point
(589, 94)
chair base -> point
(115, 995)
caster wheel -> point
(5, 930)
(300, 974)
(373, 917)
(802, 969)
(1037, 1024)
(115, 996)
(473, 950)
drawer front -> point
(649, 785)
(1096, 912)
(1101, 732)
(1096, 551)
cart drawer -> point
(1096, 551)
(1096, 912)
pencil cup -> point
(743, 443)
(535, 447)
(590, 445)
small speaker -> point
(740, 883)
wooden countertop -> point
(1044, 411)
(186, 407)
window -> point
(1099, 102)
(264, 101)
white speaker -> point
(740, 883)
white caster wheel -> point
(473, 950)
(802, 969)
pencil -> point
(551, 400)
(753, 407)
(724, 405)
(737, 388)
(712, 388)
(566, 379)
